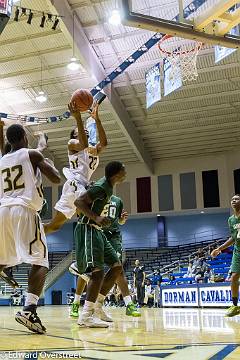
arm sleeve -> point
(96, 192)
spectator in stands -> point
(207, 275)
(196, 262)
(189, 271)
(139, 282)
(157, 292)
(200, 270)
(156, 276)
(200, 253)
(172, 279)
(210, 249)
(149, 294)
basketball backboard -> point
(206, 20)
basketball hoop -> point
(182, 55)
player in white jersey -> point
(5, 148)
(83, 161)
(22, 238)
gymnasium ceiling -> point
(201, 118)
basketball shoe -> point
(74, 309)
(132, 310)
(101, 314)
(232, 311)
(73, 269)
(28, 317)
(87, 319)
(6, 276)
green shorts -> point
(115, 240)
(92, 249)
(235, 266)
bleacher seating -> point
(175, 261)
(20, 272)
(162, 258)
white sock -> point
(77, 298)
(31, 299)
(88, 306)
(127, 299)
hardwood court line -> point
(123, 346)
(58, 337)
(223, 353)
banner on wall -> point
(171, 81)
(215, 296)
(180, 297)
(200, 295)
(153, 85)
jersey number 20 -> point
(12, 178)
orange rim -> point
(166, 37)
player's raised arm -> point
(42, 142)
(82, 142)
(45, 167)
(101, 132)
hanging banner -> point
(5, 7)
(92, 131)
(153, 85)
(171, 82)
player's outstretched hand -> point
(103, 221)
(215, 253)
(2, 123)
(73, 107)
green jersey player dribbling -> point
(234, 227)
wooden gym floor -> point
(160, 333)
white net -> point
(182, 56)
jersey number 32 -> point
(12, 178)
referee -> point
(139, 282)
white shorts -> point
(22, 238)
(70, 192)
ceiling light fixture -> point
(74, 63)
(115, 18)
(41, 97)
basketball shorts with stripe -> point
(235, 266)
(22, 238)
(93, 250)
(70, 192)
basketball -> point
(83, 99)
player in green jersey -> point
(234, 227)
(114, 211)
(93, 250)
